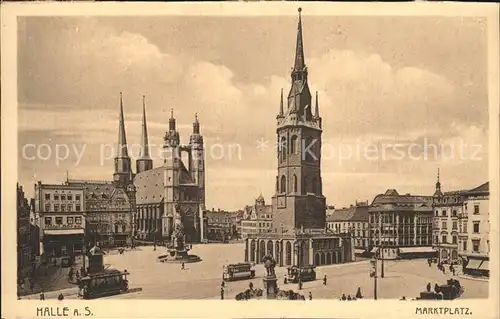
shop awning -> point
(485, 265)
(63, 231)
(473, 264)
(359, 251)
(414, 250)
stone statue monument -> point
(177, 251)
(270, 280)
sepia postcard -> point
(213, 160)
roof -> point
(353, 213)
(150, 186)
(392, 197)
(484, 188)
(102, 195)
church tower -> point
(144, 162)
(197, 159)
(299, 202)
(123, 168)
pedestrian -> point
(60, 297)
(221, 293)
(250, 285)
(310, 296)
(42, 296)
(429, 287)
(182, 266)
(343, 297)
(324, 280)
(300, 284)
(349, 297)
(222, 284)
(358, 293)
(436, 288)
(285, 280)
(443, 269)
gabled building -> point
(474, 231)
(354, 221)
(257, 219)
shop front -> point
(62, 242)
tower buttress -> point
(123, 168)
(144, 162)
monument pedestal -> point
(271, 286)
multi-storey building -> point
(257, 219)
(24, 242)
(60, 213)
(474, 230)
(447, 208)
(352, 220)
(298, 233)
(401, 225)
(223, 225)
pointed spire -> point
(122, 139)
(144, 137)
(196, 124)
(281, 104)
(316, 109)
(171, 121)
(67, 176)
(299, 51)
(438, 186)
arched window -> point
(283, 184)
(294, 183)
(283, 148)
(294, 145)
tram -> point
(304, 273)
(106, 283)
(238, 271)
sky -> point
(400, 97)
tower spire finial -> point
(171, 113)
(281, 104)
(299, 51)
(144, 139)
(122, 138)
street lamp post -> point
(382, 257)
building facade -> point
(298, 233)
(60, 213)
(223, 225)
(447, 206)
(257, 218)
(474, 231)
(355, 221)
(401, 225)
(25, 253)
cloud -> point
(72, 69)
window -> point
(56, 197)
(77, 197)
(63, 208)
(476, 209)
(48, 220)
(78, 220)
(443, 225)
(444, 239)
(443, 213)
(454, 225)
(63, 197)
(47, 196)
(454, 213)
(464, 228)
(437, 213)
(476, 227)
(475, 245)
(59, 220)
(70, 220)
(464, 245)
(454, 238)
(70, 197)
(47, 207)
(56, 207)
(437, 239)
(77, 208)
